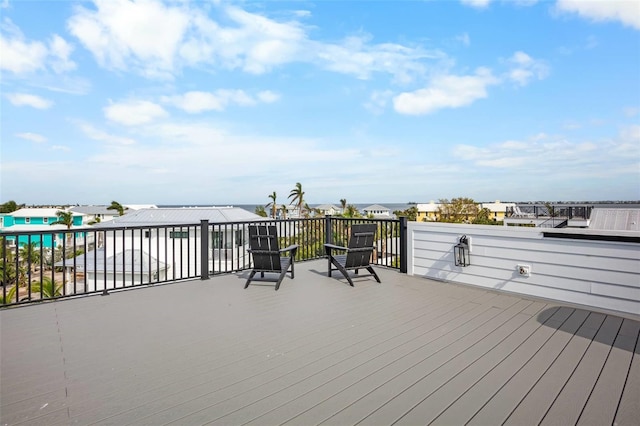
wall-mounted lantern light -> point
(461, 252)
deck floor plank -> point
(399, 393)
(504, 402)
(533, 408)
(436, 402)
(519, 367)
(568, 406)
(628, 409)
(259, 392)
(297, 361)
(316, 351)
(603, 401)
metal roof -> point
(615, 219)
(36, 212)
(375, 207)
(94, 210)
(128, 260)
(328, 207)
(182, 215)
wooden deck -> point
(407, 351)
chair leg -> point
(370, 269)
(342, 270)
(280, 278)
(292, 267)
(249, 280)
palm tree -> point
(8, 273)
(297, 197)
(11, 296)
(343, 204)
(118, 207)
(64, 218)
(351, 211)
(283, 210)
(29, 254)
(307, 210)
(274, 206)
(260, 211)
(48, 288)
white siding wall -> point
(603, 274)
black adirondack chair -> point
(267, 257)
(356, 256)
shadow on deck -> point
(409, 350)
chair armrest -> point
(292, 248)
(329, 247)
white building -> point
(173, 235)
(329, 209)
(97, 270)
(376, 210)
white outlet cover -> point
(524, 270)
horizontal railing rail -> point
(535, 211)
(46, 265)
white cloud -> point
(33, 137)
(631, 134)
(525, 68)
(464, 39)
(121, 33)
(302, 13)
(197, 101)
(21, 56)
(25, 99)
(124, 36)
(134, 112)
(100, 135)
(480, 4)
(62, 148)
(268, 97)
(378, 101)
(60, 50)
(625, 11)
(447, 91)
(187, 149)
(544, 156)
(357, 56)
(194, 102)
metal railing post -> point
(204, 249)
(328, 237)
(404, 250)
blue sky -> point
(214, 102)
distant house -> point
(377, 210)
(328, 209)
(101, 213)
(429, 212)
(32, 221)
(94, 272)
(498, 210)
(174, 233)
(94, 214)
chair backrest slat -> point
(360, 245)
(263, 242)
